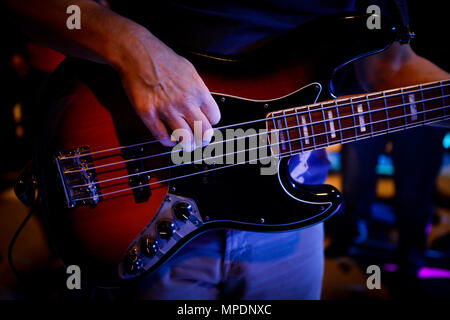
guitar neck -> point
(364, 116)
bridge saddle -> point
(78, 177)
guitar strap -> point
(399, 11)
(403, 11)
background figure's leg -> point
(358, 163)
(417, 156)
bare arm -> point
(45, 21)
(164, 88)
(396, 67)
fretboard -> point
(349, 119)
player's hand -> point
(166, 90)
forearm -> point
(163, 87)
(104, 35)
(396, 67)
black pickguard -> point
(240, 196)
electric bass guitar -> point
(118, 206)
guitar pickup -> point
(138, 178)
(78, 177)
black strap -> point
(400, 16)
(402, 9)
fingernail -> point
(207, 136)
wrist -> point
(119, 45)
(129, 45)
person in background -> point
(417, 158)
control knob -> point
(149, 246)
(133, 262)
(166, 229)
(182, 210)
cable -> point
(13, 241)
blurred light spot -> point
(446, 141)
(424, 272)
(17, 112)
(20, 131)
(20, 64)
(390, 267)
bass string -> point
(388, 130)
(235, 164)
(339, 141)
(267, 133)
(441, 85)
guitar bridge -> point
(78, 177)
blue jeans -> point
(231, 264)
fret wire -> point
(298, 128)
(404, 108)
(325, 124)
(354, 119)
(370, 114)
(384, 131)
(443, 98)
(312, 126)
(381, 132)
(399, 127)
(339, 118)
(390, 95)
(277, 134)
(386, 110)
(423, 103)
(287, 131)
(394, 95)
